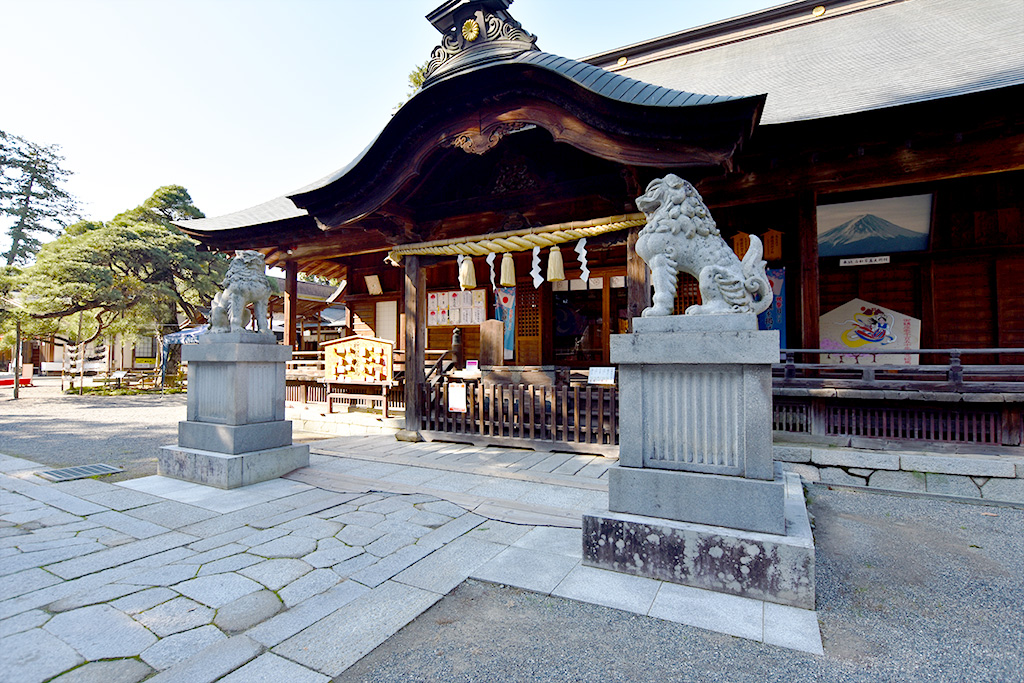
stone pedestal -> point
(235, 433)
(776, 568)
(695, 465)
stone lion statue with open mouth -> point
(244, 283)
(681, 236)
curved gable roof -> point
(479, 89)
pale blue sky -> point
(242, 101)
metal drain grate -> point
(69, 473)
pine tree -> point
(32, 196)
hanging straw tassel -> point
(508, 271)
(467, 273)
(556, 270)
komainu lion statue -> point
(244, 283)
(681, 236)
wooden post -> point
(606, 315)
(17, 357)
(415, 340)
(291, 290)
(810, 303)
(638, 295)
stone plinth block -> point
(735, 502)
(235, 382)
(695, 395)
(234, 439)
(228, 471)
(777, 568)
(696, 339)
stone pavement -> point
(297, 578)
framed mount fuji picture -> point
(876, 226)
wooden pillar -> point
(810, 303)
(291, 300)
(638, 283)
(606, 316)
(415, 340)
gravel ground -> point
(63, 430)
(908, 589)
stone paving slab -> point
(441, 571)
(212, 662)
(339, 641)
(269, 668)
(306, 613)
(117, 497)
(112, 671)
(114, 557)
(179, 596)
(180, 646)
(126, 524)
(35, 656)
(100, 632)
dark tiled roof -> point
(275, 210)
(858, 56)
(616, 86)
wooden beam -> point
(415, 339)
(810, 301)
(291, 302)
(638, 295)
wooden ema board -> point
(358, 359)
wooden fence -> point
(579, 418)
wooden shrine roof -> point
(477, 92)
(856, 56)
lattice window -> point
(687, 294)
(527, 312)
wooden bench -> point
(350, 397)
(368, 399)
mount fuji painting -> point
(880, 226)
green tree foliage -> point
(124, 275)
(32, 197)
(416, 78)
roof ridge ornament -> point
(475, 31)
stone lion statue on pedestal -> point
(681, 236)
(244, 283)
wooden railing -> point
(953, 375)
(305, 364)
(952, 402)
(579, 418)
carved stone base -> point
(230, 471)
(776, 568)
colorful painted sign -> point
(860, 325)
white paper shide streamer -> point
(538, 278)
(490, 264)
(581, 251)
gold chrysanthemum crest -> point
(470, 30)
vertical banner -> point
(505, 310)
(775, 317)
